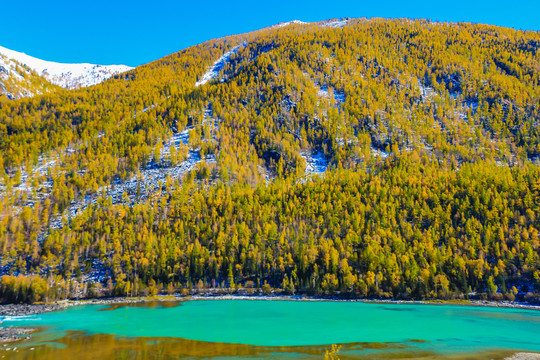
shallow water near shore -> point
(278, 329)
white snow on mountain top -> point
(335, 23)
(297, 22)
(69, 76)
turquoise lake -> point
(295, 328)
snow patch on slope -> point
(219, 64)
(8, 67)
(338, 96)
(10, 70)
(316, 163)
(379, 153)
(69, 76)
(427, 92)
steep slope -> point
(18, 81)
(352, 157)
(68, 76)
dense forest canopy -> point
(359, 158)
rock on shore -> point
(27, 309)
(524, 356)
(13, 333)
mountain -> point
(380, 158)
(68, 76)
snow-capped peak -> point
(297, 22)
(69, 76)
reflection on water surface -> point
(82, 346)
(146, 304)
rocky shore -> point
(32, 309)
(12, 333)
(28, 309)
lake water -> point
(278, 329)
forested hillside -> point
(355, 157)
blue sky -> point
(135, 32)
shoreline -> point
(479, 303)
(8, 310)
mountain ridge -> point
(68, 76)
